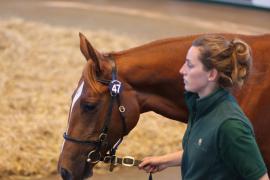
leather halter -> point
(94, 156)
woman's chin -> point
(190, 89)
(187, 88)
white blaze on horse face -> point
(74, 100)
(77, 95)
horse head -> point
(104, 108)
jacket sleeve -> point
(239, 151)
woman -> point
(219, 142)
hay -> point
(39, 68)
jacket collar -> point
(202, 106)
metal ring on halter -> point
(122, 108)
(90, 159)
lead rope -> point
(150, 177)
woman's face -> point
(196, 78)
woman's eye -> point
(189, 65)
(88, 107)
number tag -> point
(115, 87)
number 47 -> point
(116, 88)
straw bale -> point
(40, 66)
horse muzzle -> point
(66, 175)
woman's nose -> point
(181, 70)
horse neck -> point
(153, 72)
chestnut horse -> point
(146, 78)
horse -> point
(116, 87)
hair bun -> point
(242, 58)
(241, 51)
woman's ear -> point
(213, 75)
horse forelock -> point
(89, 76)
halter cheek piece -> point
(115, 89)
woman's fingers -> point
(156, 169)
(150, 164)
(152, 169)
(147, 168)
(146, 161)
(143, 164)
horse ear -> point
(89, 52)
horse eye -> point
(88, 107)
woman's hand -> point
(153, 164)
(159, 163)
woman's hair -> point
(231, 58)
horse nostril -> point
(65, 174)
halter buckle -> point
(128, 161)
